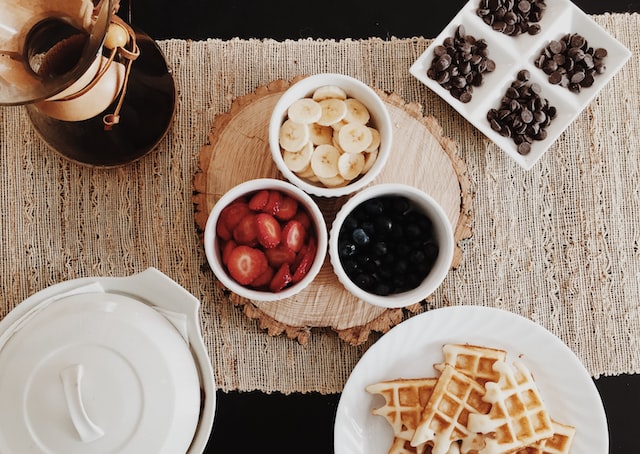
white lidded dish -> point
(106, 365)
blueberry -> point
(417, 256)
(364, 281)
(347, 249)
(381, 288)
(379, 248)
(360, 237)
(383, 225)
(374, 206)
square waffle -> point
(455, 398)
(404, 401)
(559, 443)
(518, 416)
(473, 360)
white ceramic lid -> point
(99, 373)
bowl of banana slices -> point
(330, 134)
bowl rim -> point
(211, 239)
(441, 267)
(359, 90)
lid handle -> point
(71, 379)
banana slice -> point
(356, 112)
(324, 161)
(320, 134)
(354, 137)
(333, 182)
(369, 159)
(337, 126)
(304, 110)
(296, 161)
(333, 111)
(329, 92)
(307, 172)
(375, 139)
(350, 165)
(293, 135)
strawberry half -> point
(226, 250)
(288, 208)
(308, 256)
(294, 235)
(231, 215)
(259, 200)
(262, 282)
(281, 279)
(245, 264)
(279, 255)
(273, 203)
(246, 231)
(269, 230)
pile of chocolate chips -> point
(512, 17)
(523, 114)
(459, 64)
(571, 63)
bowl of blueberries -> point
(391, 245)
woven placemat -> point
(558, 244)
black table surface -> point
(255, 422)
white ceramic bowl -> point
(380, 119)
(212, 244)
(442, 233)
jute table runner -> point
(559, 244)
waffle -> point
(518, 416)
(455, 398)
(400, 446)
(473, 360)
(404, 402)
(559, 443)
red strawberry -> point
(307, 258)
(258, 200)
(263, 281)
(223, 231)
(281, 279)
(288, 208)
(226, 250)
(279, 255)
(273, 204)
(246, 231)
(233, 213)
(303, 217)
(246, 263)
(294, 235)
(269, 230)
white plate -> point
(511, 54)
(411, 348)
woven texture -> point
(558, 244)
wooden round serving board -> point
(238, 151)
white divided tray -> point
(514, 53)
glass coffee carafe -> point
(96, 90)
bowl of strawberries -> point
(265, 239)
